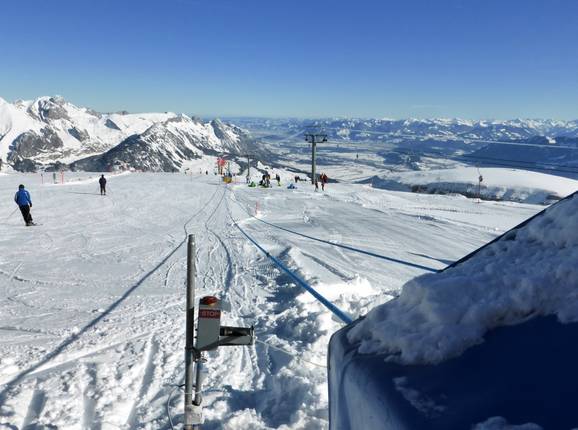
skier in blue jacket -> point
(22, 199)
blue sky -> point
(315, 58)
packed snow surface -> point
(531, 271)
(92, 300)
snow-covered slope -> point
(497, 184)
(92, 301)
(530, 271)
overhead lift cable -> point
(493, 161)
(562, 168)
(545, 164)
(481, 161)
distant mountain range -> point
(512, 130)
(517, 130)
(541, 145)
(51, 133)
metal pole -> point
(479, 187)
(248, 165)
(479, 190)
(313, 144)
(190, 334)
(198, 383)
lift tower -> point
(314, 137)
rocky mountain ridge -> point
(52, 133)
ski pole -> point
(11, 213)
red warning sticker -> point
(209, 313)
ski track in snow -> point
(92, 302)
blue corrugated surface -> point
(524, 373)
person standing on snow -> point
(278, 178)
(24, 202)
(323, 178)
(102, 182)
(266, 179)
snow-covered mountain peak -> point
(454, 128)
(180, 118)
(169, 144)
(51, 130)
(49, 108)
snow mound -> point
(498, 184)
(530, 271)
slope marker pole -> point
(248, 168)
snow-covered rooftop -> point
(530, 271)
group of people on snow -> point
(323, 178)
(24, 201)
(265, 181)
